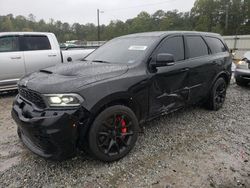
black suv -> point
(99, 102)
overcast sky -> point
(84, 11)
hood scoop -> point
(86, 69)
(46, 71)
(63, 73)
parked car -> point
(233, 66)
(242, 71)
(99, 103)
(22, 53)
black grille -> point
(32, 97)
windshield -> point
(122, 50)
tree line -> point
(227, 17)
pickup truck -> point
(22, 53)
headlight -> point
(242, 65)
(60, 100)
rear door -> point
(11, 61)
(220, 54)
(38, 52)
(168, 90)
(202, 67)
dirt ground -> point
(190, 148)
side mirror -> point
(164, 59)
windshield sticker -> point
(140, 48)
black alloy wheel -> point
(113, 133)
(218, 94)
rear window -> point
(215, 45)
(9, 44)
(36, 43)
(197, 46)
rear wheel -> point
(217, 95)
(113, 133)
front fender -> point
(119, 96)
(129, 89)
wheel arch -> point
(224, 75)
(121, 98)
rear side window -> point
(31, 43)
(174, 46)
(9, 44)
(215, 45)
(197, 46)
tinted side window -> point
(9, 44)
(36, 43)
(174, 46)
(197, 46)
(215, 45)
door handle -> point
(52, 55)
(18, 57)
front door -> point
(168, 90)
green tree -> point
(228, 17)
(7, 25)
(141, 23)
(205, 14)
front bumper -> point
(242, 75)
(48, 133)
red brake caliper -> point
(124, 128)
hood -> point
(70, 77)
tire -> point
(113, 133)
(217, 95)
(19, 133)
(241, 83)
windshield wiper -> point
(100, 61)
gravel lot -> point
(190, 148)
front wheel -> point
(217, 95)
(113, 133)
